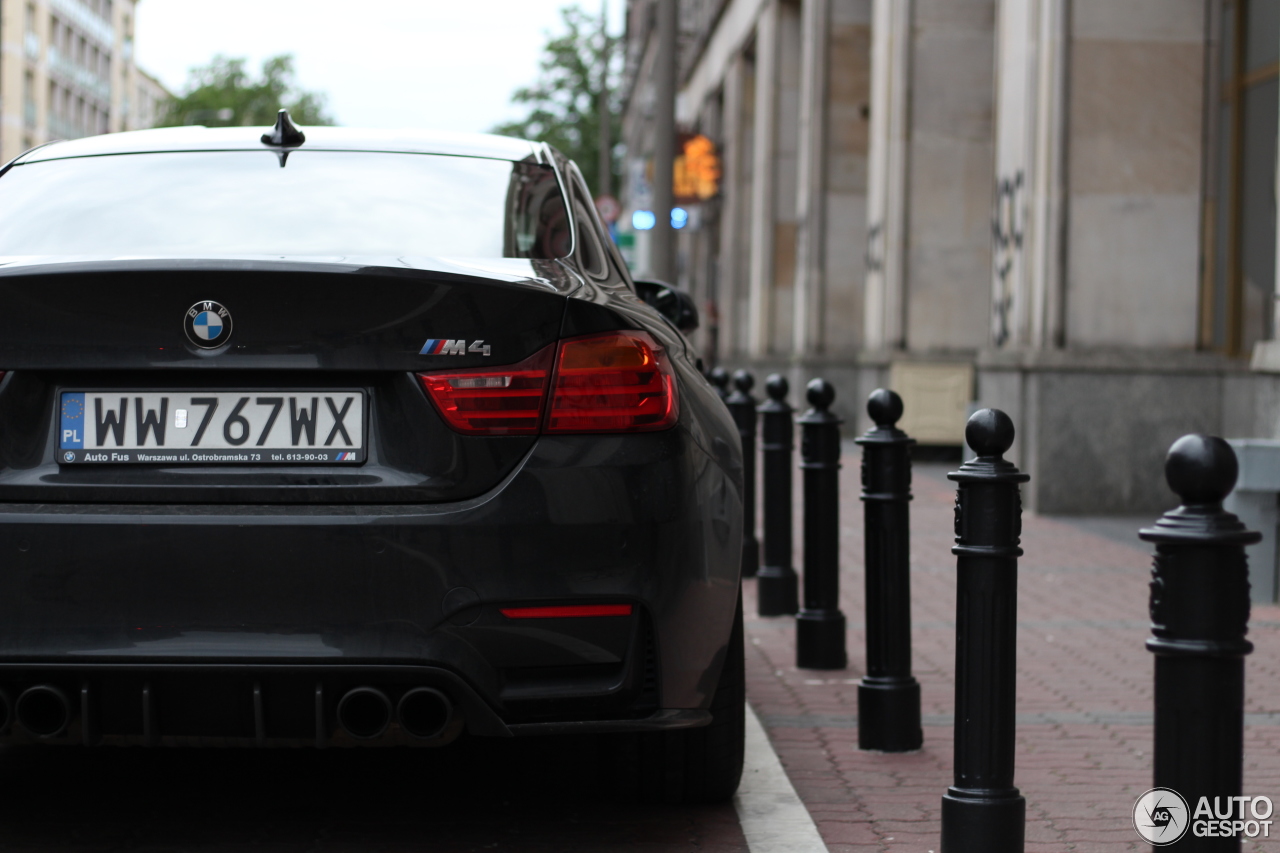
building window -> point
(1238, 286)
(29, 98)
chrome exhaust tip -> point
(424, 712)
(364, 712)
(43, 710)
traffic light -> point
(696, 171)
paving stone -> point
(1084, 686)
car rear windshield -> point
(317, 203)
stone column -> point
(734, 192)
(662, 241)
(887, 173)
(1045, 252)
(1027, 222)
(763, 180)
(811, 181)
(1266, 354)
(1275, 323)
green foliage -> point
(564, 102)
(221, 94)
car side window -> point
(611, 263)
(599, 256)
(620, 266)
(537, 224)
(590, 252)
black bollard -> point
(983, 812)
(820, 630)
(776, 587)
(888, 696)
(1199, 618)
(743, 407)
(719, 379)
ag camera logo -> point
(1160, 816)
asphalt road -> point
(538, 794)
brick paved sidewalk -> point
(1084, 690)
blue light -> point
(679, 217)
(643, 220)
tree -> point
(579, 69)
(221, 94)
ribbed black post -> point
(777, 585)
(888, 695)
(820, 627)
(983, 812)
(743, 407)
(1199, 618)
(719, 379)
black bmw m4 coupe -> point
(336, 438)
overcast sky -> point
(447, 64)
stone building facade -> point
(1064, 208)
(67, 70)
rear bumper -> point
(264, 705)
(106, 598)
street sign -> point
(608, 208)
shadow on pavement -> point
(478, 794)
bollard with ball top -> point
(1199, 619)
(983, 812)
(820, 626)
(743, 408)
(719, 379)
(888, 695)
(776, 584)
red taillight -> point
(567, 611)
(615, 382)
(501, 401)
(611, 382)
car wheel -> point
(700, 765)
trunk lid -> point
(364, 328)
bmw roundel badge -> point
(208, 325)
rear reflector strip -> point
(567, 611)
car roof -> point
(318, 139)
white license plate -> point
(203, 427)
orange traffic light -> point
(696, 173)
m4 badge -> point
(443, 346)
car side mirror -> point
(676, 305)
